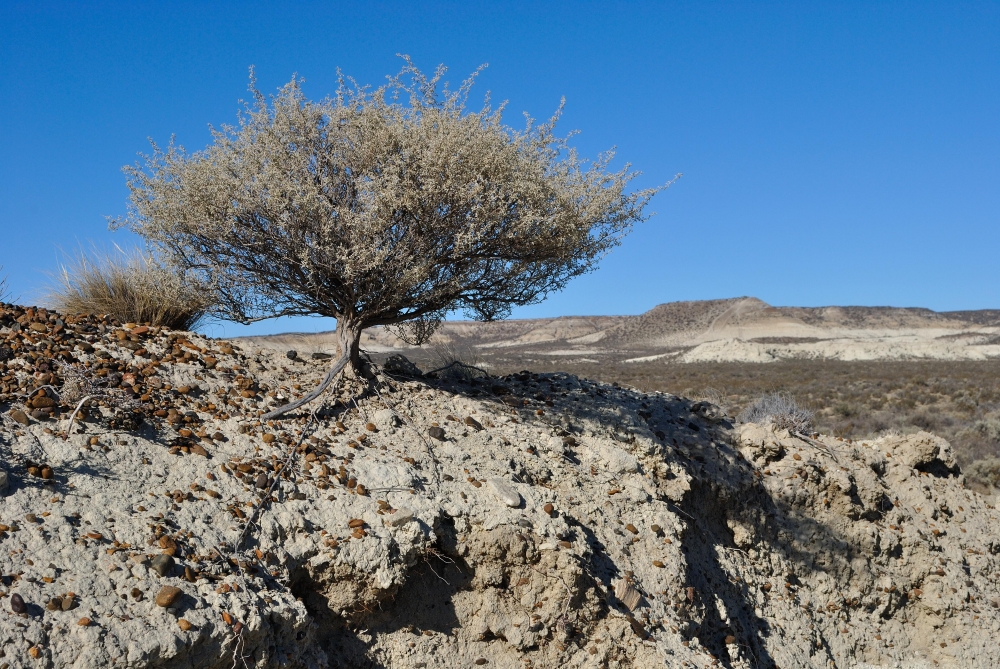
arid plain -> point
(864, 371)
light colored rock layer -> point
(673, 539)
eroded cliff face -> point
(533, 520)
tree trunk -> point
(350, 353)
(350, 342)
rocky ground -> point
(533, 520)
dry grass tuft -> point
(130, 286)
(779, 410)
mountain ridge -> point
(742, 329)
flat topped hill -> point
(538, 520)
(742, 329)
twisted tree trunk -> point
(350, 352)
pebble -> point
(548, 509)
(292, 355)
(167, 595)
(473, 423)
(436, 433)
(168, 545)
(17, 604)
(162, 565)
(401, 517)
(505, 492)
(184, 625)
(83, 622)
(20, 417)
(261, 481)
(627, 595)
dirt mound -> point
(532, 520)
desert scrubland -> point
(535, 519)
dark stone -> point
(17, 604)
(321, 356)
(436, 433)
(162, 565)
(20, 417)
(261, 481)
(292, 355)
(399, 365)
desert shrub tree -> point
(387, 207)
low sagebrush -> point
(779, 410)
(130, 286)
(458, 362)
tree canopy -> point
(391, 207)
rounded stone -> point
(168, 595)
(436, 433)
(17, 604)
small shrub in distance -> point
(779, 410)
(458, 362)
(3, 287)
(985, 472)
(130, 286)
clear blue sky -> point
(833, 153)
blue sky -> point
(833, 153)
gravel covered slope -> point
(531, 520)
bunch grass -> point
(131, 286)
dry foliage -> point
(456, 361)
(779, 410)
(3, 287)
(385, 207)
(130, 286)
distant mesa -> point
(742, 329)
